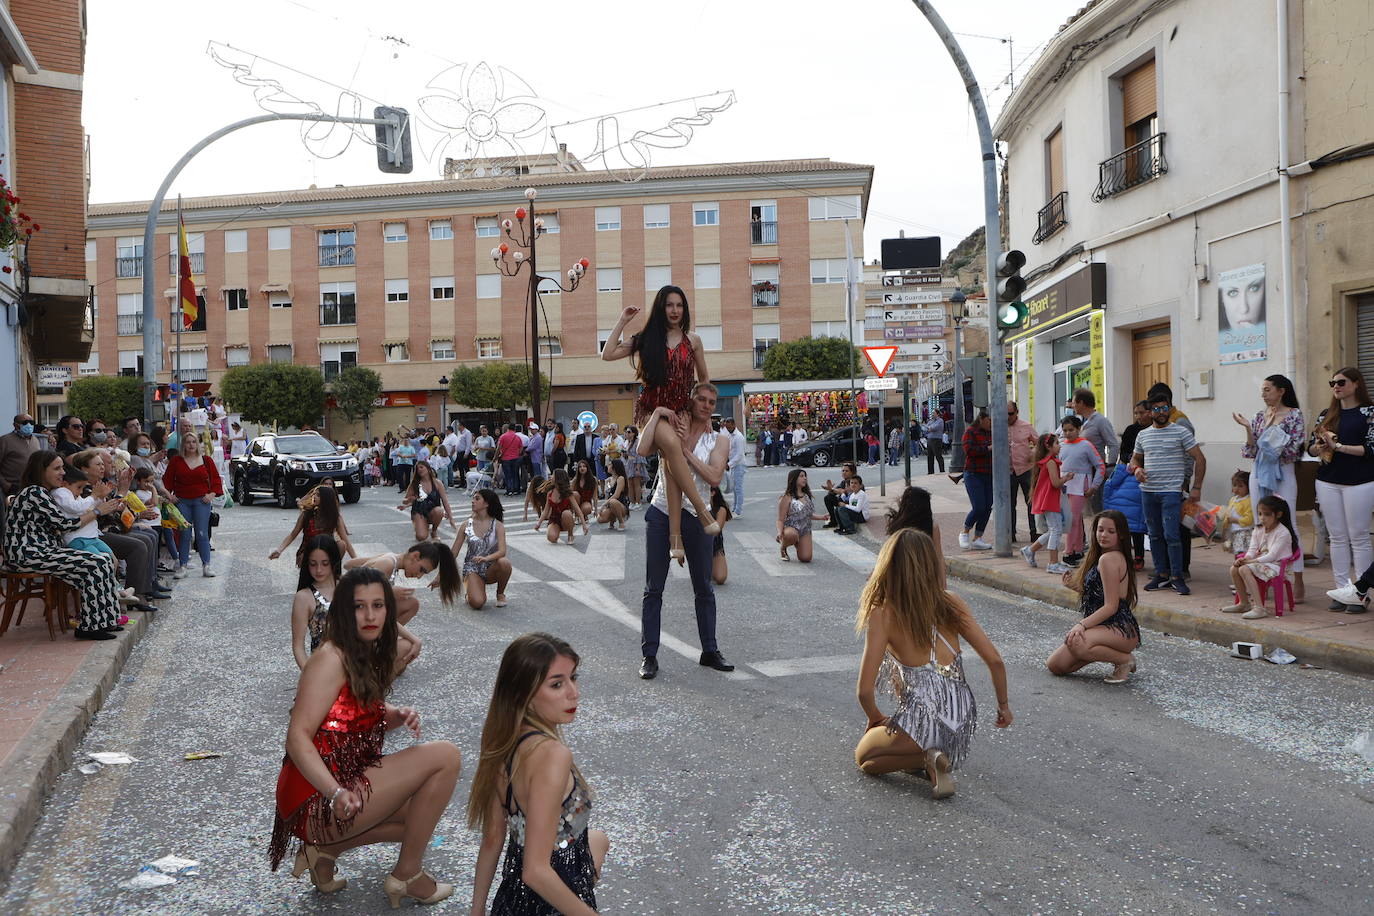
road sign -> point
(877, 398)
(880, 358)
(893, 280)
(904, 366)
(914, 330)
(585, 417)
(914, 316)
(879, 383)
(931, 348)
(913, 297)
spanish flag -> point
(190, 309)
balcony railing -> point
(1052, 217)
(130, 324)
(197, 259)
(764, 232)
(336, 256)
(191, 375)
(765, 295)
(1133, 166)
(129, 267)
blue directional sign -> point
(588, 416)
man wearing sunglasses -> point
(1160, 463)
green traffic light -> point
(1012, 315)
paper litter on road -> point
(147, 877)
(1281, 656)
(175, 865)
(1363, 745)
(111, 758)
(202, 755)
(90, 769)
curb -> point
(1323, 653)
(46, 750)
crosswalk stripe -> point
(597, 556)
(847, 551)
(764, 550)
(817, 665)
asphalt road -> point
(1207, 784)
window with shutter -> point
(1054, 165)
(1138, 103)
(1364, 324)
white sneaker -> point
(739, 514)
(180, 573)
(207, 572)
(963, 540)
(1255, 613)
(1058, 568)
(1029, 556)
(980, 544)
(1346, 595)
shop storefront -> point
(819, 406)
(1063, 346)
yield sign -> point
(880, 358)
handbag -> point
(214, 519)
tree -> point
(281, 393)
(109, 397)
(810, 358)
(495, 386)
(355, 392)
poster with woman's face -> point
(1241, 330)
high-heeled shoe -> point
(712, 529)
(937, 768)
(675, 549)
(396, 889)
(308, 858)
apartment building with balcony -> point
(399, 277)
(43, 288)
(1143, 185)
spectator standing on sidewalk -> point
(977, 481)
(1274, 438)
(1160, 463)
(735, 467)
(1098, 430)
(1046, 483)
(935, 443)
(1021, 436)
(799, 435)
(1344, 441)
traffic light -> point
(1011, 311)
(393, 140)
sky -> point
(865, 82)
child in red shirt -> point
(1046, 482)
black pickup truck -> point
(286, 466)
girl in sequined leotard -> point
(321, 567)
(554, 859)
(668, 354)
(1106, 581)
(484, 536)
(796, 512)
(911, 630)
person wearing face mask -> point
(15, 449)
(97, 433)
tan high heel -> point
(308, 858)
(675, 549)
(396, 890)
(712, 529)
(937, 768)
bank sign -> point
(1076, 294)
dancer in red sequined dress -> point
(669, 355)
(336, 790)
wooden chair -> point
(19, 588)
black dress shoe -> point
(648, 669)
(93, 634)
(114, 629)
(716, 660)
(143, 606)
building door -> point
(1152, 359)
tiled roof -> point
(448, 186)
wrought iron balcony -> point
(1052, 217)
(336, 256)
(130, 324)
(764, 232)
(1133, 166)
(191, 375)
(197, 259)
(765, 294)
(129, 267)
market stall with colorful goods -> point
(819, 406)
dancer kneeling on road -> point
(419, 561)
(720, 568)
(528, 788)
(562, 508)
(428, 502)
(911, 630)
(320, 514)
(486, 561)
(796, 512)
(616, 508)
(1106, 582)
(321, 567)
(336, 790)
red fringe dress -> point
(676, 395)
(349, 741)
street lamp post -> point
(956, 436)
(443, 411)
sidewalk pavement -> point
(49, 692)
(1343, 642)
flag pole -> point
(180, 314)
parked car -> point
(830, 448)
(286, 466)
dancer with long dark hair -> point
(1105, 582)
(427, 499)
(796, 512)
(320, 514)
(668, 355)
(528, 793)
(420, 560)
(337, 790)
(321, 567)
(562, 508)
(486, 562)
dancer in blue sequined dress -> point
(528, 795)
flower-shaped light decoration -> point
(481, 113)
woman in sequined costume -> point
(1105, 582)
(529, 795)
(911, 630)
(486, 563)
(796, 512)
(336, 790)
(417, 562)
(668, 354)
(321, 567)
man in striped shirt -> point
(1160, 463)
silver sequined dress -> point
(935, 706)
(799, 512)
(571, 858)
(478, 546)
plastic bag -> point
(1201, 517)
(172, 517)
